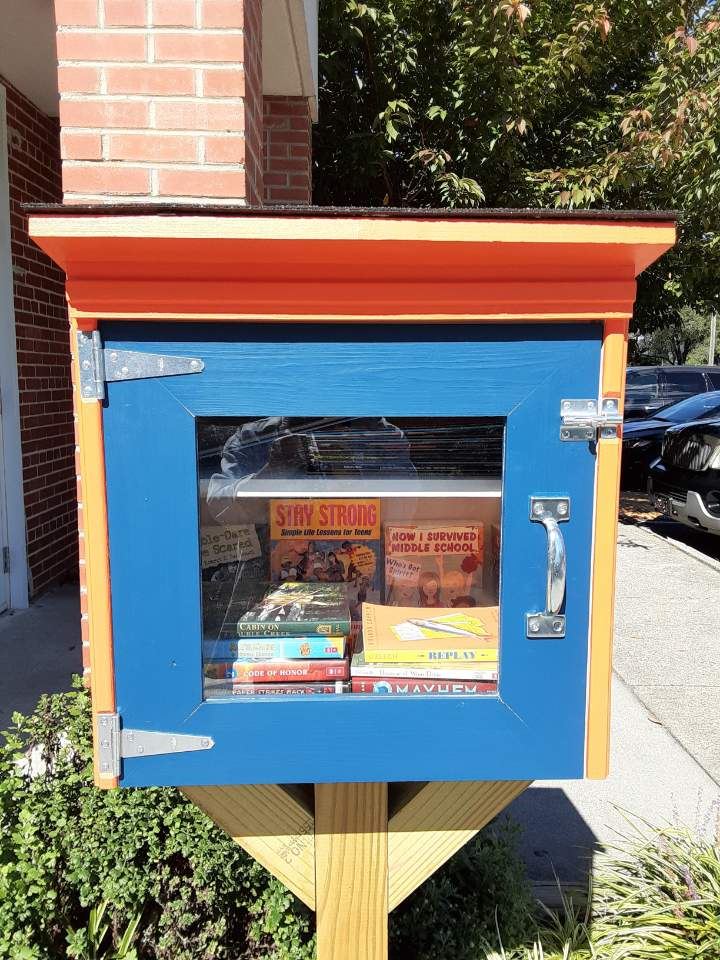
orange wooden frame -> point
(94, 551)
(607, 496)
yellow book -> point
(429, 634)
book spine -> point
(285, 648)
(284, 689)
(403, 671)
(283, 671)
(293, 628)
(437, 657)
(402, 687)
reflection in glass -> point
(350, 554)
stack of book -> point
(426, 651)
(293, 642)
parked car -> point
(685, 482)
(649, 389)
(642, 439)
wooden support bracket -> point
(347, 855)
(434, 823)
(272, 825)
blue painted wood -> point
(535, 729)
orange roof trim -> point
(408, 269)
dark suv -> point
(649, 389)
(685, 481)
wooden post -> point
(351, 871)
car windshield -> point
(703, 406)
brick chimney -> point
(162, 101)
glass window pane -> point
(641, 386)
(684, 380)
(350, 555)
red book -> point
(285, 689)
(403, 687)
(278, 671)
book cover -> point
(455, 670)
(434, 564)
(279, 648)
(403, 687)
(278, 671)
(334, 541)
(492, 564)
(235, 558)
(223, 688)
(416, 634)
(294, 609)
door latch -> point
(581, 419)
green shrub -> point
(456, 914)
(66, 846)
(654, 897)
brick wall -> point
(287, 150)
(42, 351)
(160, 100)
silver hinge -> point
(581, 420)
(98, 365)
(116, 743)
(6, 559)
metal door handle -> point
(550, 512)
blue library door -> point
(512, 377)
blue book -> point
(271, 648)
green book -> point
(298, 609)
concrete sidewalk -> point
(665, 744)
(40, 650)
(652, 777)
(667, 638)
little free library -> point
(350, 486)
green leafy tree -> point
(683, 340)
(515, 103)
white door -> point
(5, 318)
(4, 542)
(13, 553)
